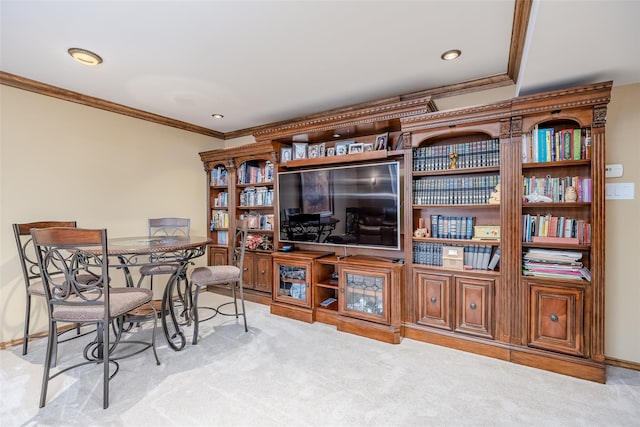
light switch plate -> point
(620, 191)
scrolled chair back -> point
(74, 268)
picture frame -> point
(316, 150)
(331, 151)
(300, 150)
(285, 154)
(381, 141)
(317, 193)
(368, 146)
(312, 151)
(356, 148)
(342, 148)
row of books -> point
(469, 155)
(258, 221)
(223, 237)
(576, 231)
(219, 176)
(469, 190)
(219, 219)
(221, 200)
(256, 196)
(551, 145)
(251, 172)
(452, 227)
(479, 257)
(555, 188)
(554, 264)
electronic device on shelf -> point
(352, 205)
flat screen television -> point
(354, 205)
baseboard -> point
(622, 363)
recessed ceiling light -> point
(84, 56)
(336, 135)
(217, 116)
(450, 54)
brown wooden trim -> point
(484, 83)
(67, 95)
(33, 337)
(521, 14)
(627, 364)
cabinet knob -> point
(434, 299)
(341, 291)
(472, 306)
(245, 269)
(553, 318)
(262, 272)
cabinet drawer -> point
(474, 306)
(556, 318)
(434, 296)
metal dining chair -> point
(165, 263)
(63, 255)
(30, 271)
(222, 275)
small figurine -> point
(570, 194)
(453, 164)
(537, 198)
(495, 196)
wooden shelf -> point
(347, 158)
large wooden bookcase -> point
(456, 219)
(240, 181)
(553, 323)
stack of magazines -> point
(554, 263)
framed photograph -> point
(381, 141)
(285, 154)
(356, 148)
(316, 150)
(368, 147)
(313, 151)
(317, 193)
(331, 151)
(342, 148)
(300, 150)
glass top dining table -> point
(179, 250)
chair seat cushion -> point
(151, 269)
(121, 300)
(214, 274)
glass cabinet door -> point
(293, 284)
(365, 295)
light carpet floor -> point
(288, 373)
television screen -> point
(355, 205)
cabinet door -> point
(364, 293)
(556, 318)
(248, 281)
(292, 282)
(434, 293)
(474, 306)
(217, 256)
(263, 272)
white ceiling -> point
(262, 62)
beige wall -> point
(124, 159)
(622, 294)
(64, 161)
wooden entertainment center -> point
(519, 182)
